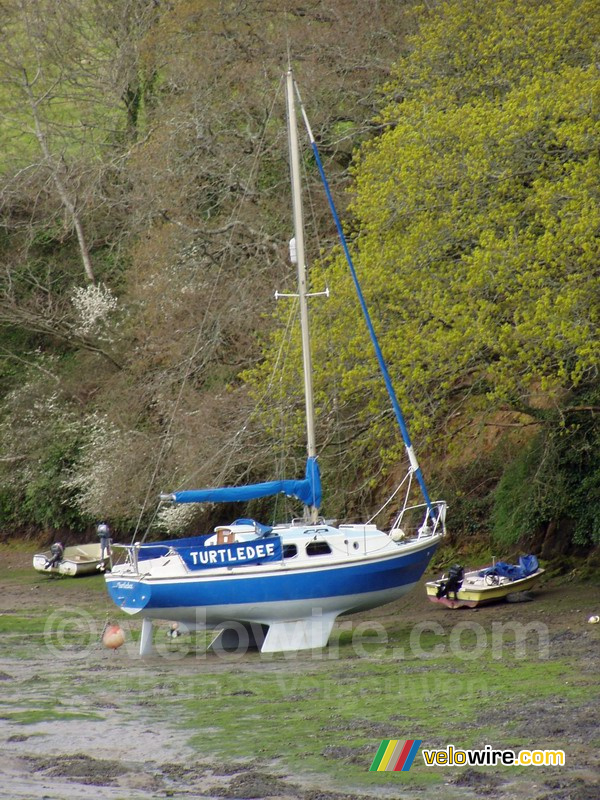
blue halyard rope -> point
(372, 334)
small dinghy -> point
(460, 589)
(79, 559)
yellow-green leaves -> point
(476, 218)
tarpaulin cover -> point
(527, 566)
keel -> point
(299, 634)
(275, 637)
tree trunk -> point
(60, 186)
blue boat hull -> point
(282, 594)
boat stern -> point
(40, 563)
(129, 594)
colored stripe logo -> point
(395, 755)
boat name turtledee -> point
(222, 555)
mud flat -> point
(79, 721)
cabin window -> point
(317, 549)
(290, 550)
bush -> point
(556, 477)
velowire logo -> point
(395, 755)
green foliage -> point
(40, 437)
(556, 477)
(478, 215)
(46, 502)
(76, 62)
(520, 496)
(474, 232)
(476, 240)
(470, 50)
(472, 499)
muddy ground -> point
(114, 744)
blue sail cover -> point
(307, 490)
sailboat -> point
(281, 587)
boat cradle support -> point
(146, 646)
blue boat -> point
(281, 587)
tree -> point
(71, 82)
(66, 73)
(483, 203)
(475, 226)
(190, 200)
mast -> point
(312, 511)
(414, 464)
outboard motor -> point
(452, 583)
(56, 551)
(103, 532)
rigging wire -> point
(408, 477)
(166, 438)
(277, 369)
(367, 317)
(228, 446)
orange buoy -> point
(113, 637)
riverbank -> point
(190, 723)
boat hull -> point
(279, 595)
(474, 597)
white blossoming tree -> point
(92, 304)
